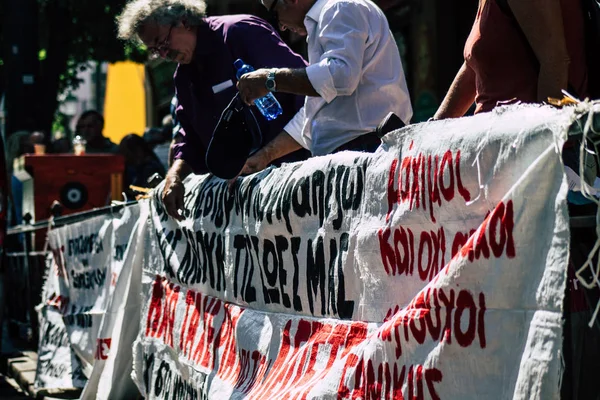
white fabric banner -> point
(75, 289)
(433, 268)
(57, 367)
(111, 374)
(87, 259)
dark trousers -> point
(366, 143)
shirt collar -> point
(315, 11)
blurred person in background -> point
(61, 145)
(140, 162)
(159, 144)
(90, 126)
(38, 138)
(162, 150)
(205, 80)
(519, 50)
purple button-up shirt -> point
(206, 85)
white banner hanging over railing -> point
(433, 268)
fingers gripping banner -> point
(434, 268)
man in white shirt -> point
(355, 78)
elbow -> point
(346, 80)
(346, 90)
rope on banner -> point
(588, 192)
(55, 210)
(481, 186)
(48, 229)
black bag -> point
(236, 136)
(390, 123)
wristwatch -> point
(270, 83)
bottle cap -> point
(238, 63)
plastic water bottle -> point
(267, 105)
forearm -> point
(460, 96)
(179, 169)
(294, 81)
(252, 85)
(171, 154)
(280, 146)
(542, 24)
(551, 80)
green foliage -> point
(70, 34)
(61, 124)
(92, 34)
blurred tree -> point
(70, 34)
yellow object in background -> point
(125, 101)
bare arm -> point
(171, 155)
(460, 96)
(295, 81)
(180, 169)
(541, 22)
(281, 145)
(172, 195)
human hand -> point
(252, 85)
(257, 162)
(172, 196)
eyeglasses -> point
(163, 47)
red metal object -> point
(79, 183)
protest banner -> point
(87, 258)
(433, 268)
(57, 366)
(74, 295)
(111, 374)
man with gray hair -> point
(205, 49)
(355, 78)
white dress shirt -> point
(355, 66)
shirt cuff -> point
(321, 80)
(295, 127)
(178, 150)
